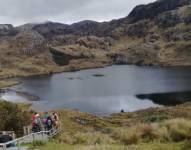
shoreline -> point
(29, 97)
(68, 69)
(7, 84)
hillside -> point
(155, 34)
(166, 128)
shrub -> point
(161, 133)
(107, 130)
(132, 135)
(179, 129)
(174, 130)
(12, 117)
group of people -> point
(45, 122)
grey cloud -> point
(67, 11)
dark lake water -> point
(103, 91)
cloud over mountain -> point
(67, 11)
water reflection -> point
(100, 105)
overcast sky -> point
(18, 12)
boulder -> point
(95, 42)
(63, 55)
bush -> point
(13, 118)
(173, 130)
(179, 129)
(140, 132)
(161, 133)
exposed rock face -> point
(95, 42)
(7, 30)
(30, 43)
(6, 27)
(168, 19)
(142, 53)
(83, 28)
(139, 29)
(50, 29)
(63, 58)
(154, 9)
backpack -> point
(36, 121)
(49, 122)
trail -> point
(30, 138)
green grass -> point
(173, 134)
(169, 130)
(142, 146)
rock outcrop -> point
(30, 43)
(7, 30)
(154, 9)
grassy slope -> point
(152, 129)
(149, 146)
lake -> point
(102, 91)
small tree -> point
(13, 118)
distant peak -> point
(6, 26)
(153, 9)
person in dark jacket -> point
(49, 123)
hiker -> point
(45, 116)
(37, 123)
(33, 118)
(49, 123)
(55, 120)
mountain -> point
(158, 33)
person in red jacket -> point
(33, 118)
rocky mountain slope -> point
(155, 34)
